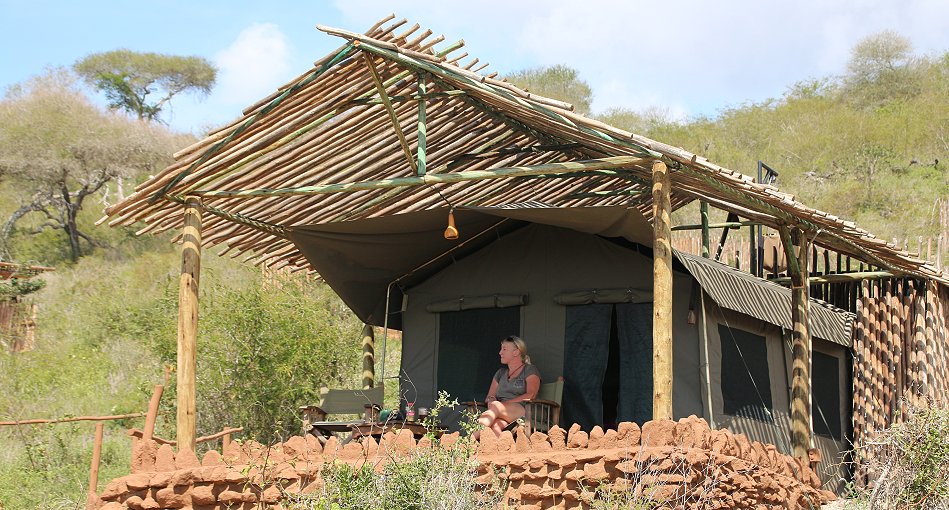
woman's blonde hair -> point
(521, 346)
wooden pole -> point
(388, 106)
(801, 342)
(188, 323)
(93, 499)
(152, 414)
(421, 152)
(610, 163)
(706, 242)
(74, 418)
(368, 356)
(662, 293)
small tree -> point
(128, 78)
(556, 82)
(57, 149)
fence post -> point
(92, 499)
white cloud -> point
(690, 57)
(254, 65)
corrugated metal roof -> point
(761, 299)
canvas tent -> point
(577, 285)
(377, 141)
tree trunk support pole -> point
(368, 357)
(800, 342)
(188, 323)
(662, 293)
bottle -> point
(410, 412)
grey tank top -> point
(508, 389)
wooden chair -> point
(367, 403)
(543, 412)
(540, 413)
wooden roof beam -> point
(472, 175)
(388, 106)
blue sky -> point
(683, 57)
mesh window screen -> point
(746, 385)
(468, 344)
(825, 394)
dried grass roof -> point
(324, 148)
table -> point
(377, 429)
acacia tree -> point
(128, 78)
(57, 149)
(556, 82)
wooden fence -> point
(901, 356)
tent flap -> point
(475, 302)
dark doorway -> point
(607, 364)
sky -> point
(687, 58)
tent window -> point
(468, 343)
(746, 386)
(825, 392)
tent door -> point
(607, 364)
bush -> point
(908, 463)
(437, 477)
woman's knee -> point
(497, 407)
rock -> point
(229, 497)
(295, 446)
(506, 442)
(165, 458)
(143, 456)
(557, 437)
(138, 481)
(160, 479)
(658, 433)
(212, 458)
(115, 489)
(577, 438)
(186, 459)
(596, 438)
(628, 434)
(610, 439)
(173, 497)
(203, 495)
(449, 440)
(693, 432)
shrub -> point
(908, 463)
(437, 477)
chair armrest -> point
(540, 401)
(312, 414)
(372, 412)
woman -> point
(516, 382)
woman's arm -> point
(492, 392)
(533, 386)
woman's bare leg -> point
(487, 417)
(507, 411)
(498, 426)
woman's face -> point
(509, 352)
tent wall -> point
(779, 364)
(542, 262)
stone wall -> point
(680, 462)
